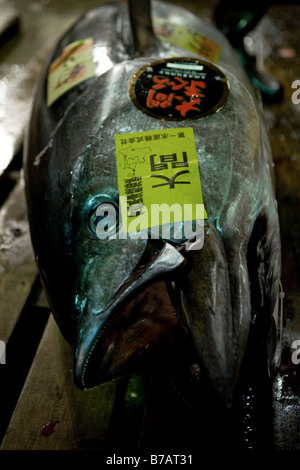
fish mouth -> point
(140, 324)
(136, 326)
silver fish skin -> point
(93, 285)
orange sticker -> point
(74, 66)
(187, 39)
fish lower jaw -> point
(131, 339)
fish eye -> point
(104, 220)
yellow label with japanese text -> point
(74, 65)
(187, 39)
(158, 178)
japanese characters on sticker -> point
(179, 89)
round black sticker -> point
(179, 89)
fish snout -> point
(109, 343)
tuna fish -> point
(109, 295)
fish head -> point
(125, 317)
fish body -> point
(105, 294)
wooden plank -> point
(52, 414)
(23, 308)
(18, 269)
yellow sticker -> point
(158, 178)
(74, 65)
(187, 39)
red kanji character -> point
(187, 105)
(178, 86)
(156, 100)
(193, 89)
(161, 82)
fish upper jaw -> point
(90, 356)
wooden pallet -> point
(40, 407)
